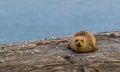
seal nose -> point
(78, 45)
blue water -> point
(25, 20)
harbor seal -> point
(83, 41)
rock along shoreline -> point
(53, 55)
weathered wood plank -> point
(52, 55)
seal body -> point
(83, 41)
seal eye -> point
(82, 41)
(76, 40)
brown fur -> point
(83, 41)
